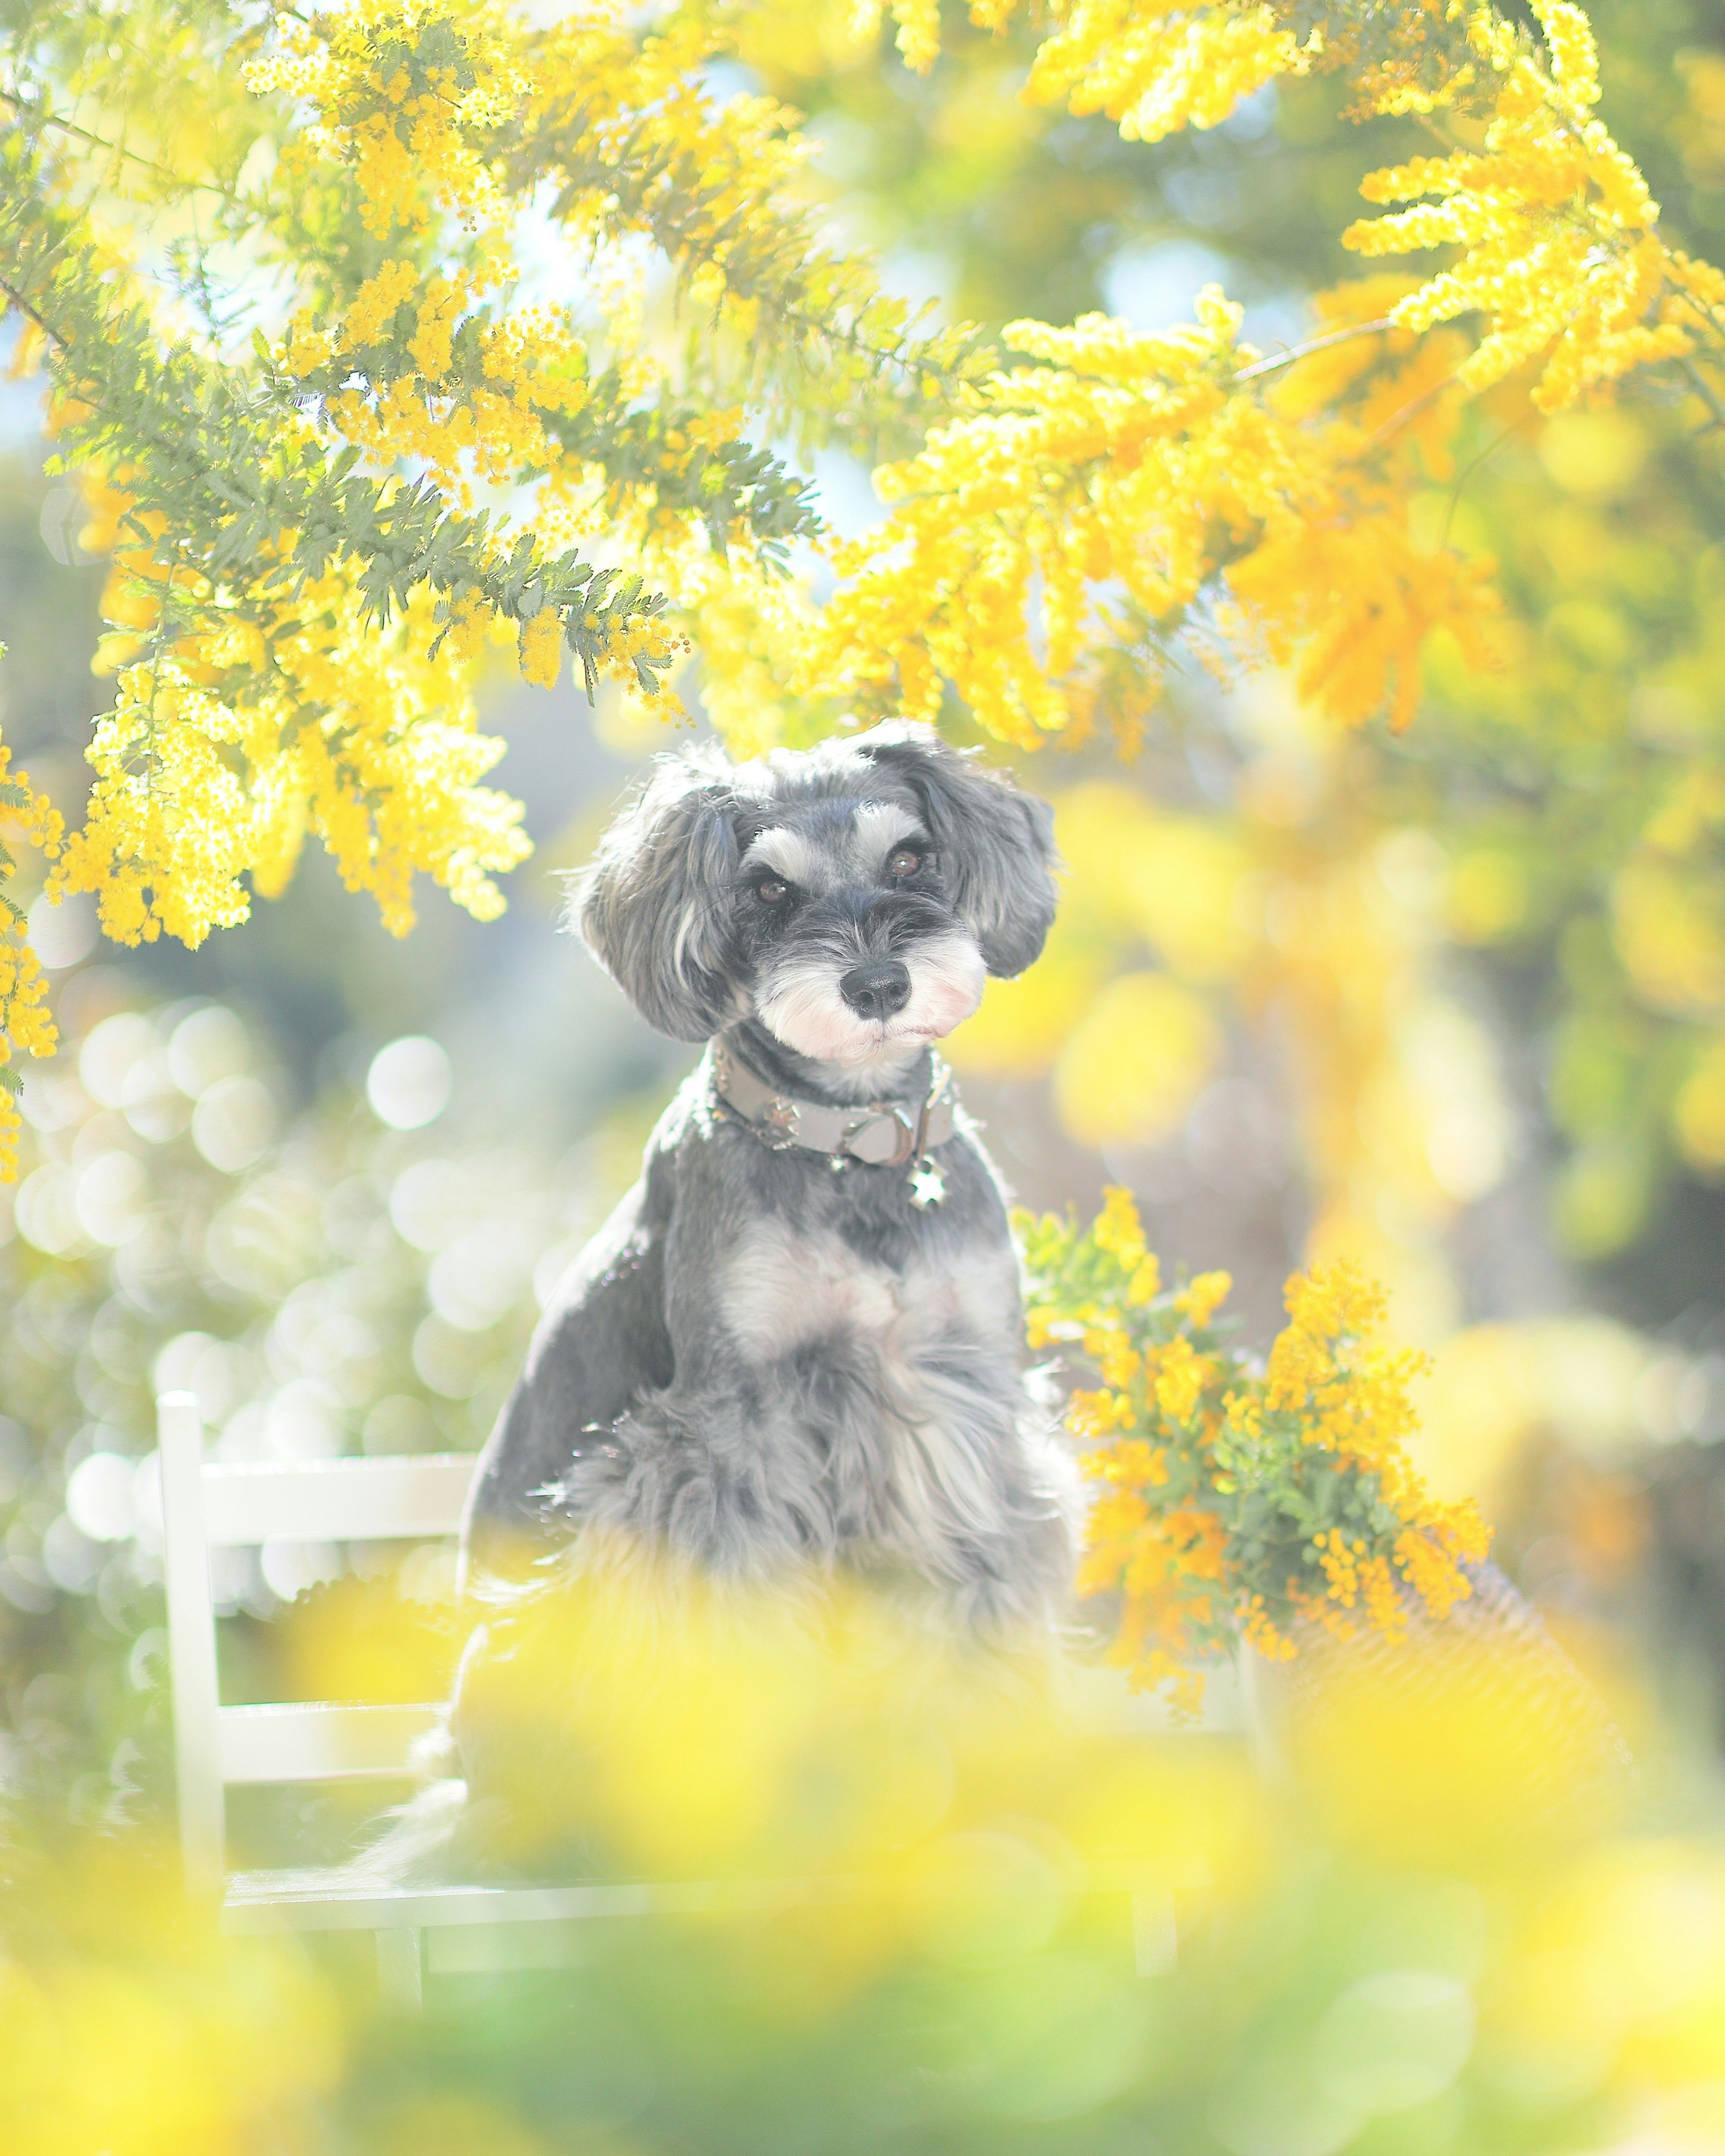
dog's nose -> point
(877, 989)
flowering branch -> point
(1239, 1502)
(1295, 353)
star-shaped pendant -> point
(928, 1186)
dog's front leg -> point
(724, 1476)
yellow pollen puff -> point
(1145, 1284)
(1118, 1229)
(26, 1028)
(541, 648)
(1121, 1364)
(1203, 1296)
(1181, 1375)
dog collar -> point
(878, 1133)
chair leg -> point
(401, 1969)
(1155, 1943)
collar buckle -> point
(860, 1140)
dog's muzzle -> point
(878, 1133)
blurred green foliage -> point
(1421, 1938)
(325, 1284)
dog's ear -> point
(653, 906)
(995, 841)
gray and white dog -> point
(797, 1343)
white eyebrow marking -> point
(879, 827)
(787, 853)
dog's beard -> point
(799, 1003)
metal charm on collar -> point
(928, 1186)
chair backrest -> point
(214, 1504)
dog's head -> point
(851, 897)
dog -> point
(796, 1346)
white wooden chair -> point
(208, 1504)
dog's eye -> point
(905, 862)
(771, 891)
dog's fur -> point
(761, 1364)
(763, 1374)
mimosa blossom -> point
(1233, 1502)
(25, 1027)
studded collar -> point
(893, 1133)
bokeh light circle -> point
(408, 1083)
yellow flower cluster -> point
(1200, 1299)
(246, 718)
(1235, 1501)
(403, 92)
(1065, 518)
(542, 649)
(488, 415)
(1158, 68)
(358, 738)
(614, 98)
(1560, 251)
(1152, 65)
(436, 365)
(26, 1029)
(1179, 1377)
(752, 631)
(1087, 503)
(1043, 547)
(1118, 1231)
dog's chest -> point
(782, 1290)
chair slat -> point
(191, 1642)
(330, 1900)
(275, 1901)
(318, 1742)
(337, 1501)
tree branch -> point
(23, 306)
(1305, 351)
(1397, 420)
(1704, 389)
